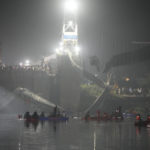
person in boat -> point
(139, 121)
(27, 115)
(58, 114)
(20, 116)
(35, 115)
(98, 114)
(138, 117)
(55, 112)
(105, 116)
(42, 114)
(118, 113)
(64, 114)
(87, 116)
(148, 119)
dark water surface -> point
(72, 135)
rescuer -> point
(27, 116)
(35, 115)
(42, 114)
(87, 115)
(148, 118)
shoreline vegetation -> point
(130, 103)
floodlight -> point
(70, 23)
(61, 43)
(127, 79)
(57, 51)
(77, 50)
(27, 61)
(71, 6)
(20, 64)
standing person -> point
(55, 111)
(98, 114)
(138, 117)
(148, 118)
(42, 114)
(87, 115)
(35, 115)
(27, 116)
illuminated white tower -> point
(70, 27)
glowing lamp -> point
(27, 63)
(77, 50)
(71, 6)
(127, 79)
(20, 64)
(70, 23)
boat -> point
(148, 125)
(129, 115)
(139, 122)
(91, 119)
(105, 117)
(117, 118)
(61, 118)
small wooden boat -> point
(139, 122)
(142, 123)
(91, 118)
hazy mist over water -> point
(72, 135)
(6, 98)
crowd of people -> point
(105, 116)
(139, 91)
(55, 114)
(140, 122)
(17, 68)
(42, 67)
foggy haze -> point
(31, 29)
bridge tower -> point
(68, 59)
(70, 27)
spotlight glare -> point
(70, 23)
(21, 64)
(71, 6)
(27, 63)
(77, 50)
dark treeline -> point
(128, 58)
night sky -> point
(30, 29)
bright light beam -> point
(57, 51)
(27, 63)
(77, 50)
(71, 6)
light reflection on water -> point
(72, 135)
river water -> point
(72, 135)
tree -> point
(94, 61)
